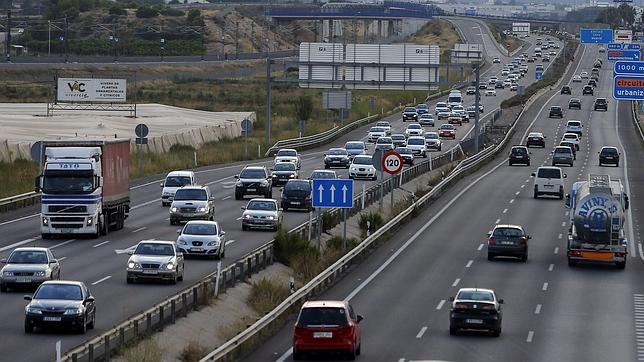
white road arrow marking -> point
(320, 189)
(344, 194)
(332, 188)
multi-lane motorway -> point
(552, 312)
(97, 264)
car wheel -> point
(28, 327)
(352, 355)
(490, 256)
(174, 279)
(82, 329)
(536, 194)
(129, 280)
(561, 195)
(91, 324)
(172, 222)
(452, 331)
(285, 208)
(524, 257)
(238, 196)
(297, 355)
(374, 178)
(509, 163)
(359, 349)
(617, 164)
(244, 227)
(326, 167)
(180, 277)
(528, 163)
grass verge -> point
(147, 350)
(266, 294)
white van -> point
(548, 180)
(454, 98)
(173, 182)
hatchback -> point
(609, 155)
(562, 154)
(296, 194)
(519, 154)
(508, 240)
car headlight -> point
(202, 209)
(133, 265)
(239, 184)
(169, 266)
(7, 274)
(181, 242)
(247, 216)
(32, 310)
(291, 176)
(89, 221)
(174, 209)
(264, 183)
(73, 311)
(270, 217)
(39, 274)
(213, 243)
(167, 193)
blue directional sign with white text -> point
(623, 54)
(615, 46)
(333, 193)
(632, 46)
(625, 67)
(628, 88)
(538, 75)
(596, 36)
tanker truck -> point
(85, 186)
(596, 232)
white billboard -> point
(91, 90)
(521, 28)
(623, 36)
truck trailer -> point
(85, 186)
(596, 232)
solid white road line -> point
(15, 245)
(537, 310)
(145, 204)
(226, 198)
(480, 247)
(99, 244)
(517, 193)
(530, 336)
(545, 286)
(102, 280)
(497, 221)
(440, 305)
(469, 263)
(639, 246)
(522, 186)
(627, 188)
(140, 229)
(62, 244)
(512, 201)
(19, 219)
(422, 331)
(505, 211)
(458, 280)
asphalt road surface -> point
(552, 312)
(97, 264)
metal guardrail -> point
(636, 119)
(18, 201)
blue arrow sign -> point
(333, 193)
(628, 88)
(624, 67)
(538, 75)
(623, 54)
(596, 36)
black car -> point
(253, 180)
(475, 309)
(282, 172)
(498, 85)
(566, 90)
(609, 155)
(588, 89)
(337, 157)
(574, 103)
(536, 139)
(555, 111)
(407, 155)
(592, 82)
(410, 114)
(519, 154)
(296, 194)
(508, 240)
(601, 104)
(60, 304)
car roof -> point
(508, 226)
(180, 173)
(337, 149)
(568, 148)
(262, 199)
(156, 242)
(475, 290)
(417, 137)
(519, 146)
(355, 142)
(31, 248)
(287, 149)
(326, 171)
(193, 187)
(325, 304)
(549, 168)
(207, 222)
(254, 167)
(363, 156)
(535, 133)
(607, 147)
(66, 282)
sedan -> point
(375, 133)
(588, 89)
(384, 125)
(323, 174)
(609, 155)
(336, 157)
(583, 75)
(475, 309)
(60, 304)
(204, 238)
(471, 90)
(433, 141)
(574, 103)
(536, 139)
(576, 79)
(288, 155)
(566, 90)
(155, 259)
(508, 240)
(407, 155)
(399, 140)
(297, 195)
(355, 148)
(27, 267)
(385, 144)
(426, 120)
(571, 137)
(490, 92)
(262, 214)
(555, 111)
(496, 60)
(447, 131)
(362, 167)
(519, 154)
(409, 114)
(414, 129)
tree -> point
(146, 12)
(303, 108)
(622, 16)
(194, 18)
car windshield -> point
(298, 185)
(475, 295)
(563, 150)
(337, 152)
(574, 124)
(534, 135)
(362, 160)
(154, 249)
(519, 150)
(549, 173)
(426, 116)
(447, 126)
(252, 173)
(28, 257)
(609, 151)
(59, 291)
(423, 106)
(416, 141)
(261, 205)
(177, 181)
(287, 153)
(431, 136)
(190, 194)
(322, 317)
(415, 126)
(410, 109)
(284, 166)
(403, 150)
(555, 108)
(398, 137)
(504, 231)
(200, 229)
(570, 137)
(382, 140)
(322, 175)
(383, 124)
(377, 129)
(354, 146)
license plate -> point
(322, 335)
(295, 202)
(335, 161)
(23, 280)
(548, 186)
(609, 158)
(519, 156)
(507, 243)
(66, 231)
(153, 272)
(51, 319)
(197, 249)
(474, 321)
(250, 190)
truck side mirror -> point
(38, 183)
(626, 202)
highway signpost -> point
(632, 55)
(596, 36)
(392, 163)
(628, 82)
(247, 129)
(538, 75)
(334, 193)
(141, 131)
(623, 46)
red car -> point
(447, 131)
(325, 326)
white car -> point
(458, 108)
(441, 107)
(288, 155)
(496, 60)
(417, 145)
(385, 125)
(385, 144)
(433, 141)
(414, 129)
(576, 79)
(375, 133)
(574, 126)
(261, 214)
(426, 119)
(444, 114)
(583, 75)
(548, 180)
(514, 87)
(572, 138)
(507, 83)
(362, 167)
(200, 237)
(490, 92)
(173, 181)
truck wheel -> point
(45, 236)
(238, 195)
(572, 263)
(561, 195)
(620, 264)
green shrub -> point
(172, 12)
(117, 10)
(177, 147)
(336, 243)
(266, 294)
(330, 220)
(288, 245)
(375, 222)
(146, 11)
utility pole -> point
(268, 100)
(49, 38)
(66, 42)
(8, 36)
(237, 40)
(477, 100)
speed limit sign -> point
(392, 162)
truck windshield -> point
(68, 183)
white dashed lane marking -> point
(458, 280)
(530, 337)
(550, 267)
(422, 331)
(537, 309)
(638, 306)
(556, 250)
(469, 263)
(480, 247)
(545, 286)
(440, 304)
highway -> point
(97, 264)
(552, 312)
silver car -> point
(192, 203)
(261, 214)
(28, 267)
(155, 259)
(202, 238)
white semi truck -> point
(596, 232)
(84, 186)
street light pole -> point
(48, 37)
(477, 100)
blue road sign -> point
(615, 46)
(628, 88)
(624, 67)
(623, 54)
(333, 193)
(596, 36)
(632, 46)
(538, 75)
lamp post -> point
(114, 40)
(223, 45)
(162, 48)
